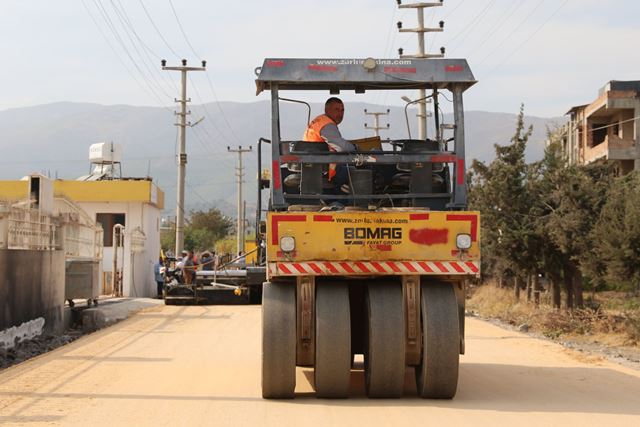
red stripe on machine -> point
(323, 68)
(441, 267)
(393, 266)
(276, 219)
(456, 267)
(378, 267)
(444, 158)
(275, 166)
(453, 68)
(460, 171)
(472, 266)
(425, 266)
(362, 267)
(276, 64)
(331, 268)
(418, 217)
(299, 267)
(409, 70)
(347, 267)
(473, 219)
(315, 268)
(284, 268)
(409, 267)
(323, 218)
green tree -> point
(617, 233)
(202, 230)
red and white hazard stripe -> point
(346, 268)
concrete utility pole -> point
(420, 30)
(376, 121)
(240, 175)
(182, 156)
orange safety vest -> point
(312, 134)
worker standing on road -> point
(159, 274)
(324, 128)
(189, 269)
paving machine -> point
(377, 271)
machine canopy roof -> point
(363, 74)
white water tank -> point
(105, 152)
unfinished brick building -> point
(607, 129)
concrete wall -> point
(31, 289)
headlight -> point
(287, 243)
(463, 241)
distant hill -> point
(54, 139)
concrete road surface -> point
(190, 366)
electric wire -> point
(157, 29)
(509, 36)
(504, 18)
(114, 31)
(528, 38)
(145, 63)
(119, 58)
(148, 51)
(468, 30)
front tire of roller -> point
(437, 375)
(278, 341)
(333, 341)
(385, 349)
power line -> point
(123, 24)
(468, 29)
(516, 28)
(528, 38)
(114, 31)
(182, 29)
(504, 18)
(157, 29)
(122, 62)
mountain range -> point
(54, 139)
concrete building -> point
(608, 129)
(132, 203)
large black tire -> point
(333, 340)
(278, 341)
(384, 361)
(437, 376)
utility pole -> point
(240, 175)
(182, 156)
(376, 121)
(420, 30)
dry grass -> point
(618, 324)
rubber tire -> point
(333, 341)
(278, 340)
(437, 376)
(384, 350)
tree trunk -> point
(529, 280)
(536, 289)
(577, 289)
(516, 288)
(568, 284)
(556, 295)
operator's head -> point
(334, 109)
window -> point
(599, 134)
(108, 220)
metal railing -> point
(22, 227)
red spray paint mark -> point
(429, 236)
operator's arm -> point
(332, 135)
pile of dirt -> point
(27, 349)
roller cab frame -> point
(378, 271)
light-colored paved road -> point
(193, 366)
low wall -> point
(31, 293)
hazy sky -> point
(548, 54)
